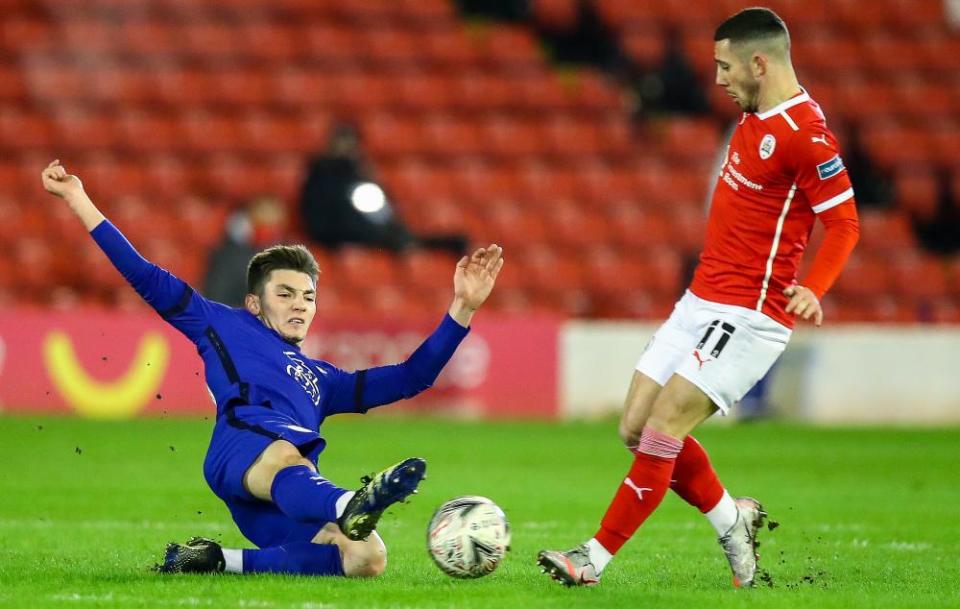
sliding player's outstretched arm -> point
(473, 281)
(166, 293)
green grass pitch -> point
(868, 517)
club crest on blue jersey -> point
(830, 168)
(767, 145)
(303, 375)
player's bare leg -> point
(696, 482)
(676, 411)
(637, 406)
(367, 558)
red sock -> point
(694, 478)
(641, 491)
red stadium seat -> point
(482, 182)
(514, 225)
(330, 44)
(600, 184)
(865, 276)
(555, 15)
(889, 51)
(952, 266)
(882, 231)
(304, 88)
(361, 266)
(449, 48)
(27, 34)
(198, 221)
(616, 137)
(892, 145)
(644, 44)
(179, 87)
(421, 92)
(634, 227)
(445, 135)
(150, 38)
(576, 228)
(509, 48)
(687, 139)
(389, 47)
(538, 91)
(13, 86)
(428, 269)
(569, 136)
(24, 130)
(391, 135)
(213, 42)
(272, 43)
(426, 12)
(592, 91)
(918, 275)
(93, 36)
(210, 132)
(263, 132)
(543, 184)
(475, 90)
(620, 14)
(510, 137)
(918, 193)
(241, 87)
(81, 129)
(143, 132)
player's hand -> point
(57, 181)
(476, 274)
(804, 304)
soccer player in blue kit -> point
(272, 399)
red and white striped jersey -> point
(782, 167)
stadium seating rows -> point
(173, 110)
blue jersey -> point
(247, 363)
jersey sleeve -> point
(171, 297)
(818, 167)
(364, 389)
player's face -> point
(288, 304)
(735, 76)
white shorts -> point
(722, 349)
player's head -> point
(749, 47)
(282, 290)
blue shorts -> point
(240, 435)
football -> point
(468, 537)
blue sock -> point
(304, 495)
(300, 558)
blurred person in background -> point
(782, 171)
(260, 223)
(342, 204)
(271, 400)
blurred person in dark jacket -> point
(341, 203)
(259, 224)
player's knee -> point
(629, 436)
(292, 460)
(282, 455)
(365, 560)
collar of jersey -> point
(799, 98)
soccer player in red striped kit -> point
(781, 172)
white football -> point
(468, 536)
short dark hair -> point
(752, 24)
(279, 257)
